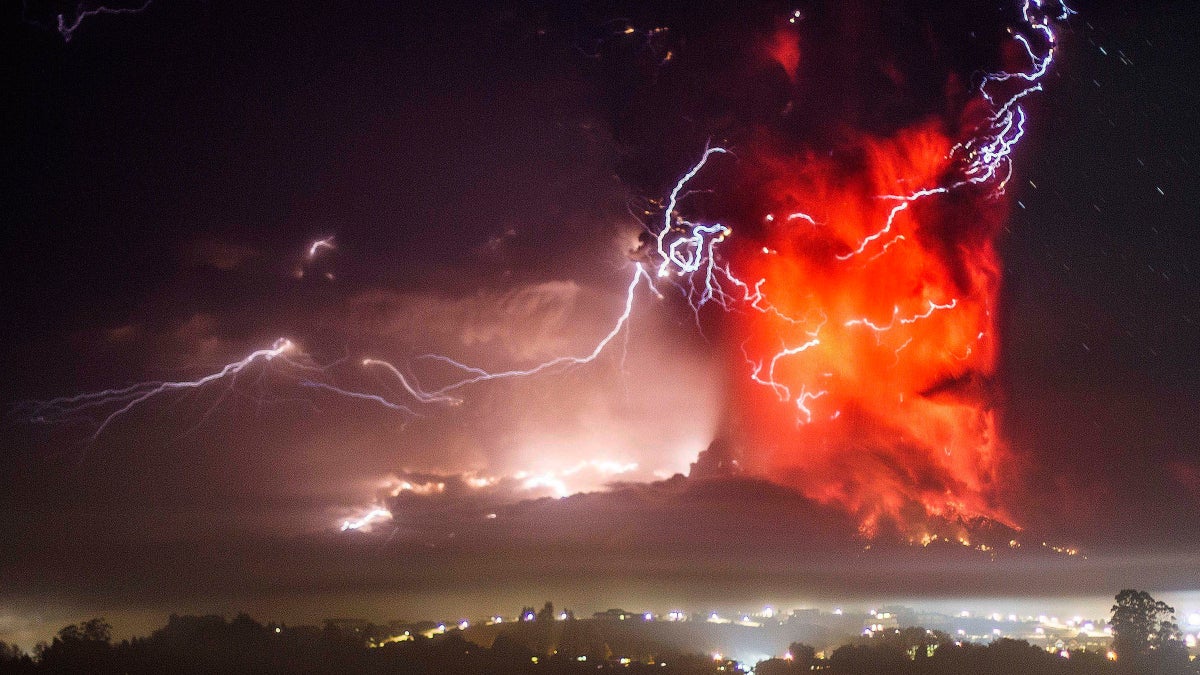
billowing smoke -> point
(884, 405)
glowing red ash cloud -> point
(880, 356)
(784, 49)
(875, 277)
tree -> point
(9, 652)
(803, 656)
(1145, 634)
(13, 660)
(92, 630)
(80, 648)
(776, 667)
(873, 658)
(1170, 653)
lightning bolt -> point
(118, 402)
(67, 28)
(475, 375)
(115, 403)
(365, 521)
(318, 245)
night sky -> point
(485, 171)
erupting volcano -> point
(858, 296)
(863, 282)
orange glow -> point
(888, 413)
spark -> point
(692, 255)
(905, 201)
(802, 216)
(900, 349)
(115, 403)
(887, 227)
(317, 246)
(690, 250)
(899, 238)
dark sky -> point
(480, 167)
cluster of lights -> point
(1064, 550)
(879, 621)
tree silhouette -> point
(13, 660)
(80, 648)
(776, 667)
(877, 659)
(1145, 635)
(803, 656)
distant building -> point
(881, 621)
(615, 615)
(805, 615)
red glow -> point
(889, 415)
(784, 48)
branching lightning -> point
(822, 366)
(113, 403)
(475, 375)
(67, 27)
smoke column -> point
(867, 256)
